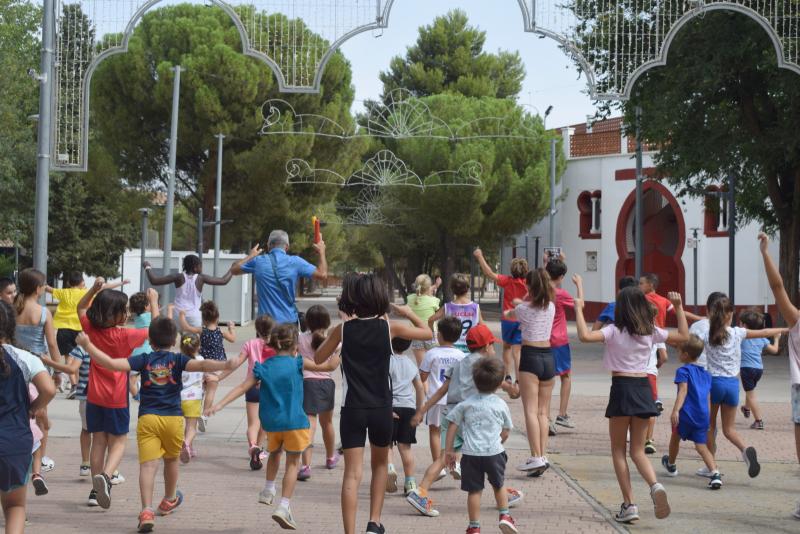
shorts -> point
(422, 345)
(796, 404)
(253, 395)
(750, 377)
(356, 423)
(402, 431)
(653, 380)
(562, 356)
(458, 442)
(631, 396)
(65, 339)
(689, 432)
(511, 332)
(82, 412)
(725, 390)
(115, 421)
(159, 436)
(538, 361)
(435, 416)
(192, 408)
(476, 469)
(290, 441)
(318, 395)
(15, 471)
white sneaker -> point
(85, 470)
(117, 478)
(391, 481)
(266, 496)
(283, 516)
(442, 474)
(704, 472)
(660, 502)
(457, 471)
(47, 464)
(534, 462)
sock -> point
(474, 524)
(410, 479)
(284, 503)
(269, 486)
(332, 458)
(503, 511)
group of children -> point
(450, 384)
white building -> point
(595, 227)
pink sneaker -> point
(331, 463)
(507, 524)
(304, 473)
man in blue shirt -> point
(276, 294)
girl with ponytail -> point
(424, 305)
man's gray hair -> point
(277, 238)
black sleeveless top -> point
(366, 354)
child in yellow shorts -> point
(159, 432)
(281, 412)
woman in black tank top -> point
(367, 390)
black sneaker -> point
(671, 469)
(102, 487)
(375, 528)
(255, 458)
(751, 459)
(716, 481)
(92, 498)
(39, 485)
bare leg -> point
(190, 431)
(211, 382)
(618, 432)
(36, 464)
(728, 428)
(712, 429)
(474, 505)
(116, 450)
(435, 437)
(797, 440)
(566, 390)
(14, 510)
(706, 455)
(86, 445)
(516, 350)
(543, 413)
(44, 424)
(290, 474)
(407, 457)
(377, 488)
(508, 359)
(307, 454)
(170, 478)
(651, 428)
(752, 403)
(147, 480)
(253, 423)
(273, 463)
(353, 471)
(529, 388)
(643, 465)
(500, 497)
(432, 473)
(97, 452)
(328, 433)
(674, 447)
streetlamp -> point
(145, 213)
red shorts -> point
(653, 379)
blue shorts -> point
(725, 390)
(511, 332)
(563, 359)
(689, 432)
(750, 377)
(15, 471)
(115, 421)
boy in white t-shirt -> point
(433, 370)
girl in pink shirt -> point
(629, 343)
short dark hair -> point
(693, 346)
(364, 295)
(556, 268)
(163, 332)
(5, 282)
(138, 303)
(752, 320)
(191, 262)
(488, 373)
(73, 278)
(626, 281)
(450, 328)
(209, 311)
(317, 318)
(400, 345)
(109, 308)
(634, 312)
(459, 284)
(264, 326)
(652, 278)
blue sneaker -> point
(422, 504)
(514, 497)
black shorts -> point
(631, 396)
(318, 395)
(65, 339)
(253, 395)
(403, 432)
(538, 361)
(750, 377)
(475, 469)
(356, 423)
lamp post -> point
(145, 212)
(173, 150)
(218, 211)
(552, 182)
(731, 197)
(639, 238)
(695, 245)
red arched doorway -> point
(664, 237)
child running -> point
(753, 366)
(628, 345)
(319, 390)
(254, 351)
(282, 416)
(724, 352)
(191, 395)
(367, 392)
(18, 369)
(484, 422)
(690, 417)
(407, 397)
(458, 386)
(433, 370)
(462, 308)
(159, 430)
(424, 305)
(103, 312)
(559, 340)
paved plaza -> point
(578, 495)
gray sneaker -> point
(565, 421)
(283, 516)
(751, 459)
(660, 502)
(551, 430)
(266, 497)
(627, 513)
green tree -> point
(221, 91)
(722, 105)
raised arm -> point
(766, 332)
(214, 280)
(230, 333)
(159, 280)
(419, 331)
(186, 327)
(774, 347)
(236, 268)
(86, 300)
(115, 285)
(233, 394)
(487, 270)
(682, 334)
(584, 334)
(152, 298)
(101, 358)
(322, 269)
(790, 314)
(328, 346)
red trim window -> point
(589, 210)
(715, 221)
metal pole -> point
(200, 233)
(732, 238)
(218, 211)
(43, 138)
(145, 212)
(472, 276)
(694, 267)
(173, 149)
(639, 238)
(536, 263)
(552, 192)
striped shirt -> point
(83, 373)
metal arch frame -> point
(678, 26)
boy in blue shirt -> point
(752, 366)
(690, 415)
(484, 421)
(159, 431)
